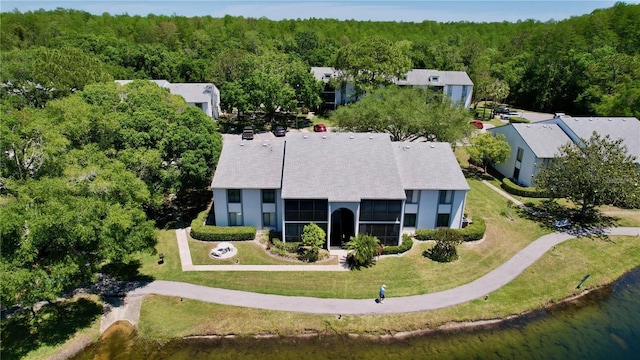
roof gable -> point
(249, 165)
(428, 166)
(544, 140)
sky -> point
(376, 10)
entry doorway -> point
(342, 227)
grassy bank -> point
(553, 278)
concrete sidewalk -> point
(393, 305)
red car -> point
(319, 128)
(477, 123)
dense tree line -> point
(583, 65)
(82, 177)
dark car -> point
(279, 131)
(319, 128)
(477, 123)
(247, 133)
(501, 110)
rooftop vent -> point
(305, 136)
(350, 136)
(241, 144)
(324, 136)
(432, 146)
(370, 137)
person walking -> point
(381, 294)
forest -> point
(90, 169)
(585, 65)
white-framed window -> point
(412, 196)
(235, 219)
(269, 219)
(446, 197)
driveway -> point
(536, 116)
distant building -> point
(346, 183)
(533, 145)
(455, 84)
(205, 96)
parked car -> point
(247, 133)
(477, 123)
(508, 115)
(319, 128)
(501, 110)
(279, 131)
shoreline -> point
(79, 343)
(446, 328)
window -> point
(446, 197)
(235, 219)
(516, 175)
(410, 220)
(269, 219)
(305, 210)
(519, 155)
(380, 210)
(269, 196)
(388, 234)
(450, 91)
(412, 196)
(465, 90)
(443, 220)
(233, 195)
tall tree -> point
(485, 148)
(599, 171)
(407, 114)
(372, 62)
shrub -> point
(515, 189)
(474, 231)
(407, 243)
(517, 120)
(442, 251)
(424, 234)
(200, 231)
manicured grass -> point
(552, 278)
(249, 253)
(418, 276)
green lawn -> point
(418, 276)
(552, 278)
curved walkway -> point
(473, 290)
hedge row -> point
(200, 231)
(472, 232)
(515, 189)
(518, 120)
(407, 243)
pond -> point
(603, 324)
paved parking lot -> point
(260, 136)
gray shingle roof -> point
(626, 128)
(340, 167)
(249, 165)
(428, 165)
(543, 139)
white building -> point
(347, 183)
(533, 145)
(455, 84)
(205, 96)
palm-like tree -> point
(362, 249)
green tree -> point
(372, 62)
(407, 114)
(362, 249)
(445, 248)
(596, 172)
(313, 237)
(32, 77)
(486, 148)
